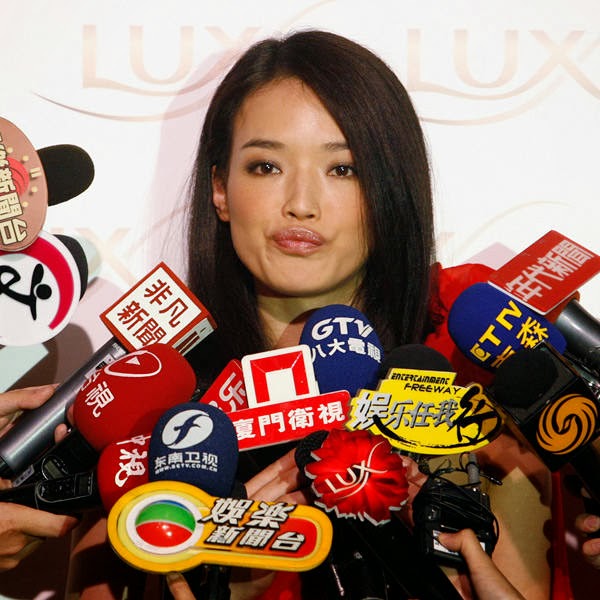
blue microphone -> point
(197, 444)
(487, 325)
(345, 349)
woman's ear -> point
(219, 195)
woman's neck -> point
(283, 318)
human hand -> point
(13, 402)
(23, 529)
(487, 580)
(590, 549)
(281, 481)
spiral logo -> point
(567, 424)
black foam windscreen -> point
(524, 377)
(78, 253)
(414, 356)
(69, 171)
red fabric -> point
(285, 586)
(446, 285)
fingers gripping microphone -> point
(122, 399)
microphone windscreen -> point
(523, 378)
(130, 394)
(487, 325)
(122, 466)
(196, 444)
(69, 171)
(305, 447)
(80, 258)
(346, 351)
(414, 356)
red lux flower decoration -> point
(357, 474)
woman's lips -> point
(298, 240)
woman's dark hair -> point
(375, 114)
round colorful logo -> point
(164, 524)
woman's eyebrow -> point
(263, 143)
(275, 145)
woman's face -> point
(292, 197)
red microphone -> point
(119, 401)
(122, 466)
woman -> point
(311, 187)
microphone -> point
(69, 171)
(545, 277)
(34, 180)
(582, 334)
(122, 466)
(345, 349)
(196, 444)
(168, 313)
(487, 326)
(125, 397)
(553, 409)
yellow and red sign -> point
(424, 412)
(172, 526)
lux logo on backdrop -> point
(528, 67)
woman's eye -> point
(263, 168)
(343, 171)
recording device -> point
(554, 409)
(442, 506)
(374, 562)
(69, 495)
(123, 398)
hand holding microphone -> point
(22, 529)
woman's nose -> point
(302, 197)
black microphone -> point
(553, 409)
(582, 333)
(204, 439)
(69, 171)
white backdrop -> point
(508, 92)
